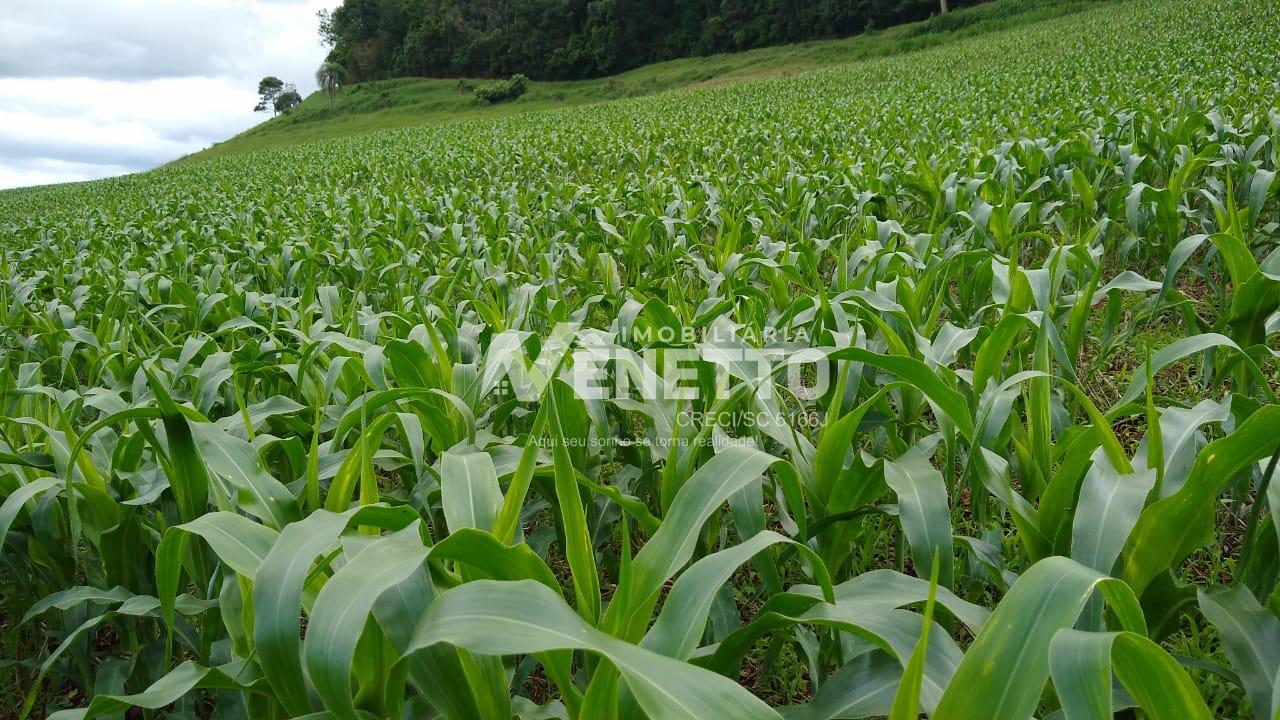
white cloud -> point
(98, 89)
(45, 171)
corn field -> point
(937, 384)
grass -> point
(406, 102)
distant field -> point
(408, 102)
(941, 383)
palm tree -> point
(330, 77)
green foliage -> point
(287, 100)
(263, 452)
(330, 76)
(573, 39)
(500, 90)
(269, 89)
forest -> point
(575, 39)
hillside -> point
(389, 104)
(942, 383)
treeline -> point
(571, 39)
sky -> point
(95, 88)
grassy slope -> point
(405, 102)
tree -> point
(328, 35)
(269, 89)
(287, 100)
(575, 39)
(330, 77)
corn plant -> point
(941, 383)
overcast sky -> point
(93, 88)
